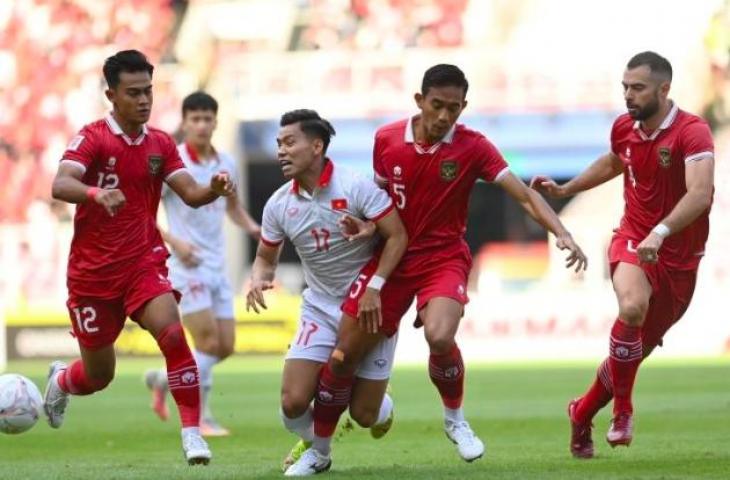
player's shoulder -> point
(97, 128)
(464, 134)
(623, 124)
(350, 178)
(159, 134)
(227, 161)
(392, 130)
(281, 195)
(686, 119)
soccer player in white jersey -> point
(307, 210)
(197, 266)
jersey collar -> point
(117, 130)
(668, 121)
(193, 154)
(324, 178)
(408, 137)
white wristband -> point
(661, 230)
(376, 282)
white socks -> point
(303, 426)
(453, 415)
(385, 408)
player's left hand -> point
(354, 228)
(222, 185)
(576, 257)
(369, 314)
(648, 249)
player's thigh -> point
(226, 337)
(99, 363)
(96, 322)
(367, 396)
(441, 318)
(158, 313)
(377, 365)
(298, 384)
(633, 290)
(316, 333)
(203, 327)
(353, 343)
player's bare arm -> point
(241, 217)
(699, 179)
(67, 186)
(536, 206)
(394, 233)
(262, 276)
(605, 168)
(185, 251)
(196, 195)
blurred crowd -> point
(378, 24)
(51, 54)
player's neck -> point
(309, 179)
(131, 129)
(652, 123)
(419, 133)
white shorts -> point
(317, 335)
(203, 292)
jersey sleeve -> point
(172, 162)
(696, 142)
(614, 137)
(82, 149)
(492, 165)
(272, 233)
(371, 201)
(378, 165)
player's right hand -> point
(255, 296)
(547, 186)
(187, 253)
(576, 257)
(354, 228)
(369, 311)
(112, 200)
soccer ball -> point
(20, 403)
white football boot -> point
(469, 446)
(311, 462)
(196, 450)
(55, 400)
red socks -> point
(331, 399)
(447, 373)
(74, 380)
(182, 373)
(625, 355)
(596, 397)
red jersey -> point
(431, 185)
(105, 250)
(654, 167)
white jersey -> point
(330, 262)
(203, 227)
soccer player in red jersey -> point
(429, 165)
(113, 170)
(666, 157)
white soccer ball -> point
(21, 403)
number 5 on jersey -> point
(399, 190)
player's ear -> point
(664, 88)
(418, 97)
(317, 146)
(463, 105)
(109, 94)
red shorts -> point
(97, 322)
(672, 290)
(422, 278)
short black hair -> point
(311, 124)
(130, 61)
(658, 65)
(198, 101)
(444, 75)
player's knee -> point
(294, 405)
(225, 351)
(363, 416)
(208, 343)
(632, 311)
(101, 380)
(440, 344)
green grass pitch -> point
(682, 428)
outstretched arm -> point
(536, 206)
(607, 166)
(196, 195)
(67, 186)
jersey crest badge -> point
(339, 204)
(449, 169)
(665, 157)
(154, 162)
